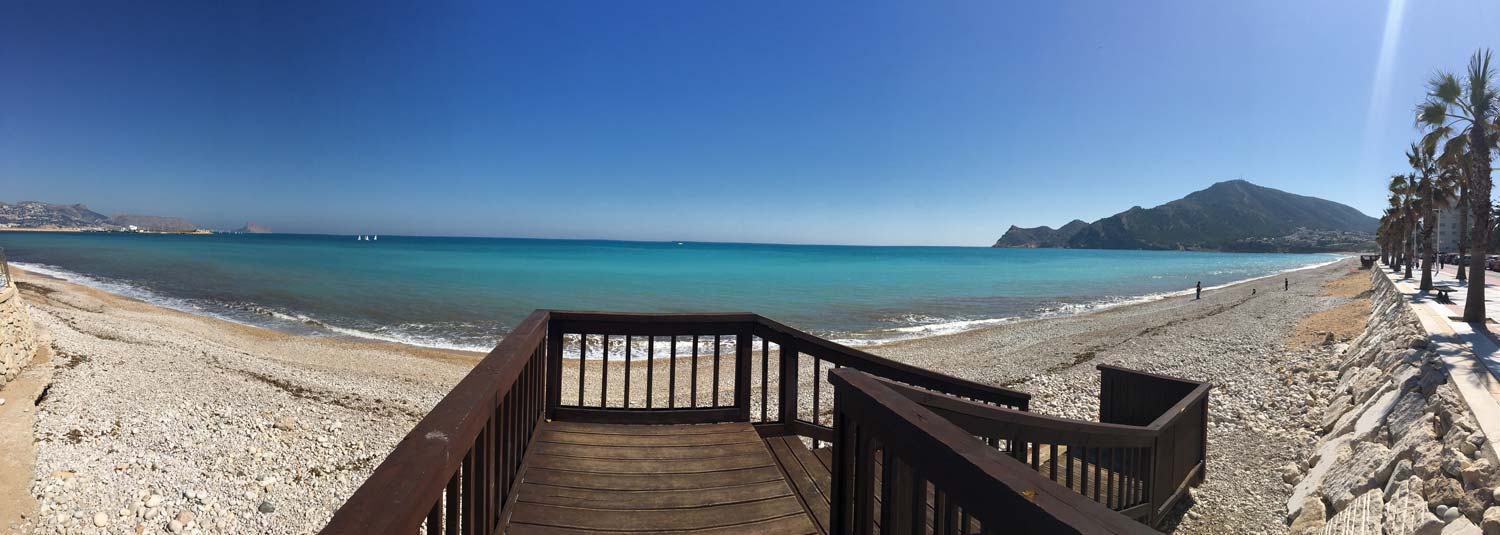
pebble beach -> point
(159, 421)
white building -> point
(1445, 233)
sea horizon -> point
(477, 288)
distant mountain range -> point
(40, 215)
(1234, 215)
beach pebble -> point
(266, 507)
(154, 501)
(101, 520)
(1453, 513)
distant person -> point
(1286, 284)
(1198, 291)
(1252, 291)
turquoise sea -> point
(466, 292)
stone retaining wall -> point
(17, 337)
(1399, 452)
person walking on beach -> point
(1286, 284)
(1198, 291)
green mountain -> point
(1233, 215)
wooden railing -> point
(455, 471)
(1145, 451)
(901, 468)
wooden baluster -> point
(1052, 463)
(471, 523)
(693, 383)
(650, 367)
(918, 492)
(604, 375)
(629, 352)
(765, 362)
(817, 396)
(1069, 468)
(1114, 470)
(435, 518)
(716, 371)
(450, 502)
(864, 485)
(1098, 457)
(583, 353)
(672, 378)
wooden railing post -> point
(554, 370)
(742, 356)
(787, 383)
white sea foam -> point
(219, 311)
(926, 326)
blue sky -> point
(803, 122)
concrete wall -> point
(17, 336)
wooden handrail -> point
(995, 421)
(399, 495)
(897, 371)
(917, 447)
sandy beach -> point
(155, 415)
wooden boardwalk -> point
(708, 478)
(548, 435)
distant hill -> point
(252, 228)
(33, 214)
(154, 223)
(1233, 215)
(1043, 236)
(41, 215)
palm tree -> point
(1466, 110)
(1383, 235)
(1404, 202)
(1421, 160)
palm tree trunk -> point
(1479, 209)
(1428, 221)
(1463, 225)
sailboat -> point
(376, 237)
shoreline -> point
(316, 327)
(256, 430)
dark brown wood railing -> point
(455, 471)
(901, 468)
(1145, 451)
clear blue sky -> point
(819, 122)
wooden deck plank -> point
(658, 519)
(642, 479)
(801, 478)
(786, 525)
(658, 453)
(674, 441)
(645, 429)
(652, 466)
(587, 480)
(662, 499)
